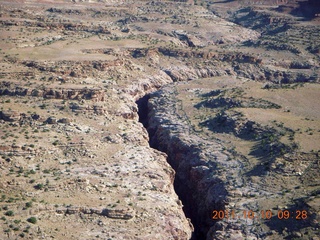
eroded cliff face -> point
(75, 161)
(206, 174)
(230, 167)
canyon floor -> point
(159, 119)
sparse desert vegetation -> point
(227, 89)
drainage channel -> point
(190, 207)
(143, 110)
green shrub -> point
(39, 186)
(28, 204)
(16, 221)
(9, 213)
(32, 220)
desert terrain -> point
(159, 119)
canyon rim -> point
(159, 119)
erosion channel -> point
(197, 180)
(225, 161)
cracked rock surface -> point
(234, 125)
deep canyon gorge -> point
(159, 119)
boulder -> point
(118, 213)
(64, 120)
(51, 120)
(10, 116)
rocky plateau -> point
(185, 119)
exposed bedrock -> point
(246, 70)
(96, 95)
(206, 174)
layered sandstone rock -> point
(218, 176)
(95, 95)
